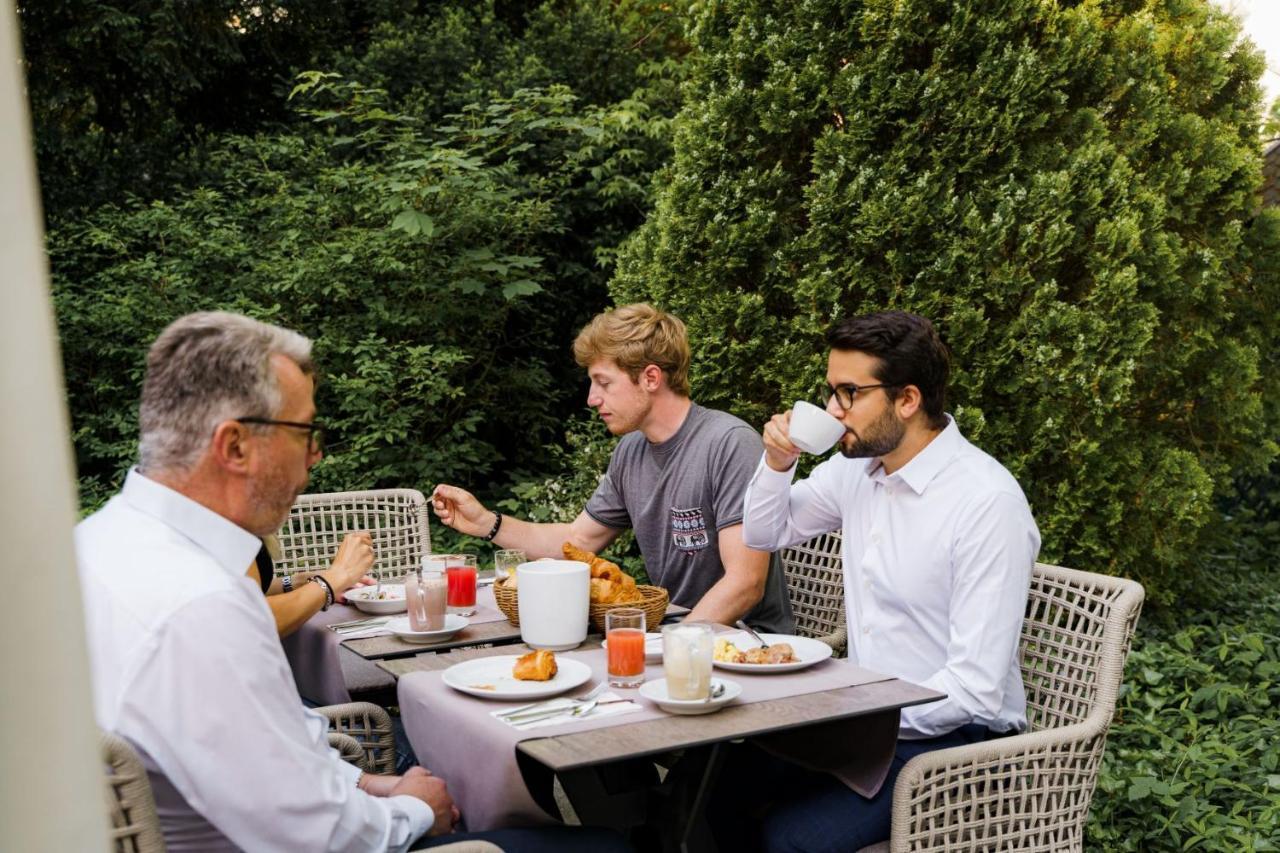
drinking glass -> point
(686, 659)
(425, 590)
(505, 562)
(460, 571)
(624, 636)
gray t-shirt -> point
(677, 496)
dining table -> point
(637, 767)
(327, 666)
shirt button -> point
(866, 630)
(875, 537)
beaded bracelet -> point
(328, 591)
(497, 522)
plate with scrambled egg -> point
(786, 653)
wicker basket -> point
(653, 603)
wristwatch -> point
(286, 583)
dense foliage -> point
(1191, 761)
(1068, 190)
(441, 249)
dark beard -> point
(884, 437)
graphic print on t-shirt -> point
(689, 529)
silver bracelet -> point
(328, 591)
(286, 583)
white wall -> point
(51, 789)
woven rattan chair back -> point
(1075, 639)
(815, 585)
(135, 828)
(317, 523)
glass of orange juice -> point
(624, 639)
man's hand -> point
(353, 561)
(418, 782)
(779, 453)
(460, 510)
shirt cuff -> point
(767, 480)
(348, 770)
(421, 817)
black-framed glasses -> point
(846, 392)
(315, 432)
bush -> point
(1067, 190)
(1191, 761)
(415, 257)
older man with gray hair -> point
(186, 661)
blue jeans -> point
(763, 803)
(556, 839)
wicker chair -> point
(815, 585)
(366, 726)
(317, 523)
(1031, 791)
(135, 828)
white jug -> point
(554, 597)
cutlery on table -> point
(715, 692)
(546, 705)
(353, 627)
(573, 711)
(744, 626)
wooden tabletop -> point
(598, 746)
(391, 647)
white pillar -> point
(51, 784)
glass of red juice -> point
(460, 573)
(624, 640)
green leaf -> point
(414, 223)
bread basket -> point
(653, 602)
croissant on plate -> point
(538, 665)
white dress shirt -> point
(187, 666)
(937, 566)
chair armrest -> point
(1025, 792)
(838, 640)
(371, 727)
(350, 749)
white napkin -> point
(373, 631)
(615, 706)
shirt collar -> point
(230, 545)
(926, 464)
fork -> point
(744, 626)
(572, 713)
(542, 706)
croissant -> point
(539, 665)
(600, 567)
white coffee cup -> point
(812, 429)
(555, 596)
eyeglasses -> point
(315, 432)
(846, 392)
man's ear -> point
(231, 447)
(651, 377)
(909, 401)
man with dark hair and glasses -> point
(938, 546)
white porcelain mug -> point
(555, 596)
(813, 429)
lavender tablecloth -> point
(326, 673)
(455, 737)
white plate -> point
(361, 597)
(808, 651)
(491, 678)
(656, 692)
(453, 623)
(652, 647)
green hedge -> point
(1067, 189)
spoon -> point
(744, 626)
(715, 692)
